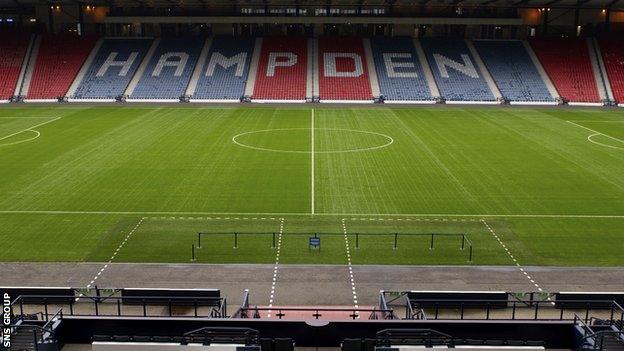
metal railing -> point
(463, 309)
(312, 312)
(135, 306)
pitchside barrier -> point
(463, 241)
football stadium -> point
(342, 175)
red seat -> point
(569, 67)
(343, 88)
(285, 82)
(58, 62)
(613, 56)
(13, 48)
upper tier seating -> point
(13, 48)
(58, 62)
(224, 74)
(455, 70)
(568, 64)
(282, 69)
(112, 68)
(169, 71)
(399, 71)
(613, 55)
(513, 71)
(343, 70)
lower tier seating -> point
(613, 55)
(569, 67)
(58, 62)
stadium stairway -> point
(515, 74)
(613, 57)
(112, 69)
(226, 68)
(282, 72)
(400, 74)
(168, 71)
(58, 61)
(343, 71)
(568, 65)
(13, 48)
(456, 71)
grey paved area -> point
(311, 285)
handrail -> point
(32, 326)
(51, 320)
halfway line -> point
(312, 163)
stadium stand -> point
(400, 74)
(112, 69)
(282, 69)
(168, 73)
(613, 56)
(343, 73)
(13, 48)
(58, 62)
(511, 67)
(568, 65)
(456, 71)
(224, 74)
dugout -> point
(457, 299)
(40, 295)
(595, 300)
(173, 297)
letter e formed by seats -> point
(391, 66)
(331, 70)
(291, 60)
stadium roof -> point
(611, 4)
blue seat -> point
(107, 81)
(513, 70)
(455, 70)
(224, 74)
(399, 71)
(169, 71)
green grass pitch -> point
(76, 181)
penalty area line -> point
(29, 128)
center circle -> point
(299, 140)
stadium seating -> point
(112, 68)
(513, 71)
(168, 73)
(568, 64)
(399, 72)
(282, 69)
(225, 71)
(455, 70)
(58, 62)
(13, 48)
(343, 71)
(613, 56)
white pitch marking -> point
(350, 267)
(99, 273)
(29, 128)
(147, 213)
(510, 255)
(276, 267)
(598, 133)
(312, 162)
